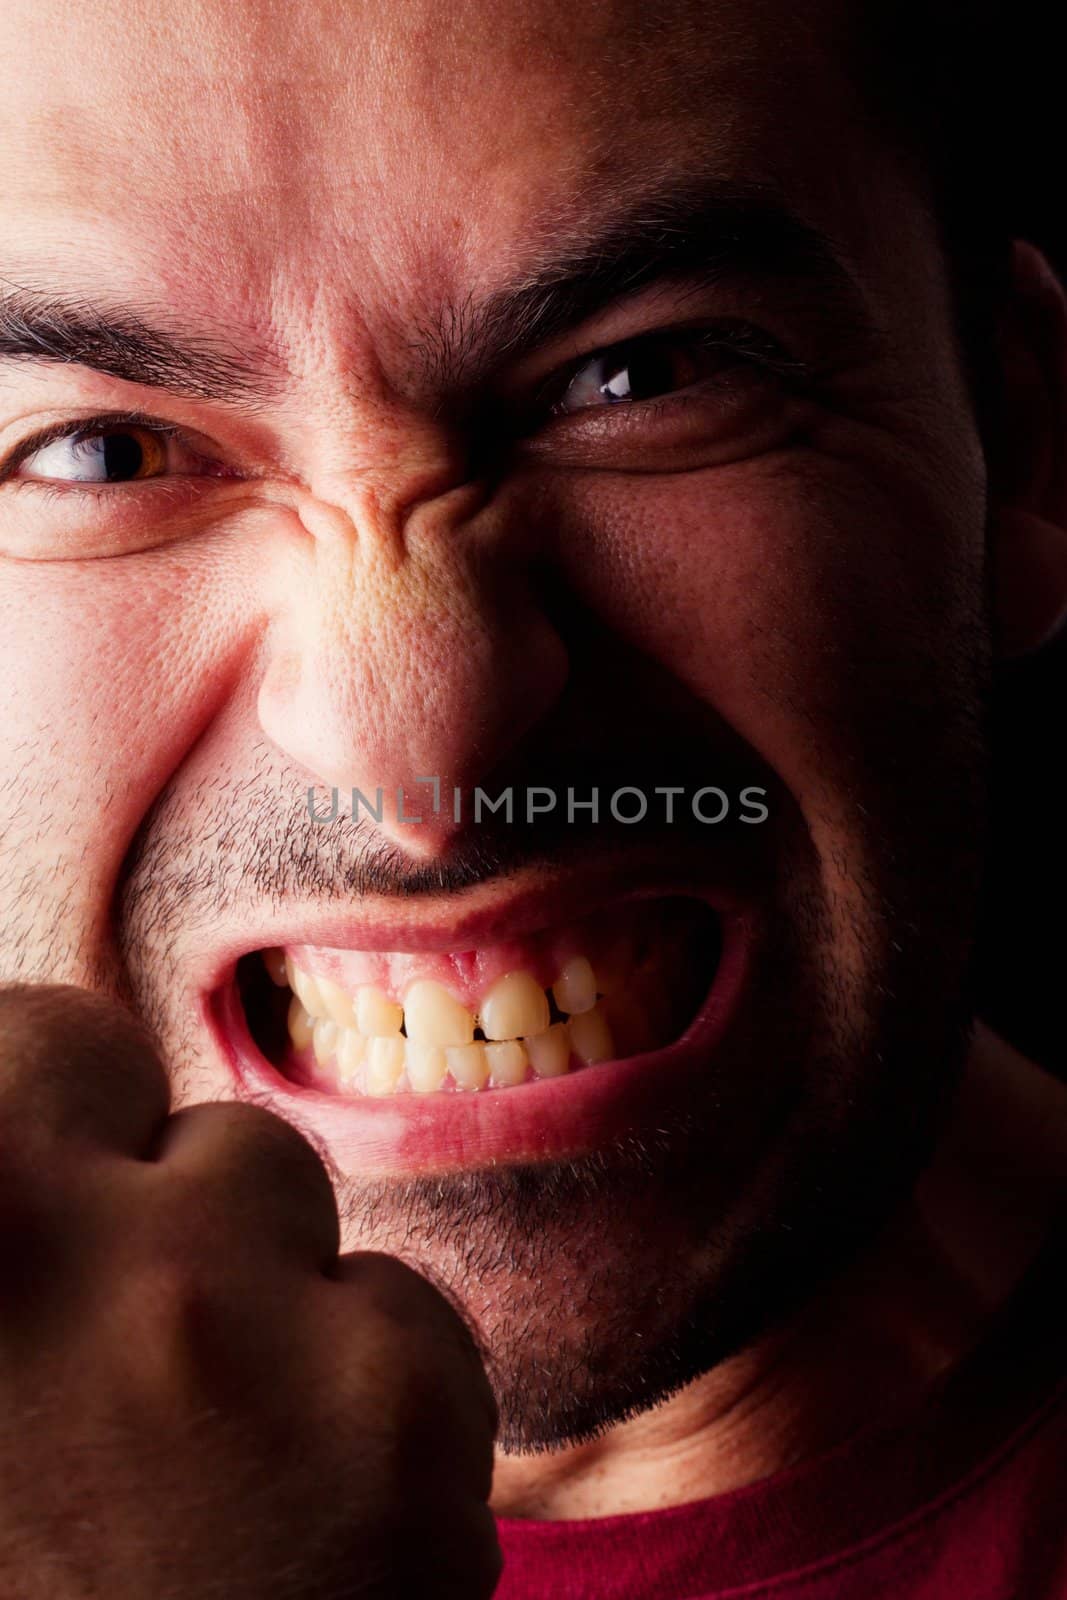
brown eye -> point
(119, 454)
(642, 370)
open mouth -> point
(370, 1024)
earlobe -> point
(1028, 461)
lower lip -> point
(582, 1111)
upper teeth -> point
(360, 1034)
(432, 1016)
(515, 1006)
(575, 988)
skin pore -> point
(399, 561)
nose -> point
(412, 647)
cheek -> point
(827, 613)
(112, 669)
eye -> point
(672, 399)
(100, 453)
(644, 369)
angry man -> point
(509, 513)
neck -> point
(906, 1311)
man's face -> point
(560, 399)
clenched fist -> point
(198, 1397)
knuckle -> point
(242, 1165)
(432, 1349)
(47, 1015)
(261, 1139)
(395, 1292)
(70, 1057)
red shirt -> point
(966, 1499)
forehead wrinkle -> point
(351, 135)
(400, 284)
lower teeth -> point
(381, 1064)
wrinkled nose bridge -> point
(328, 521)
(413, 640)
(375, 505)
(413, 646)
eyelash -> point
(751, 345)
(76, 429)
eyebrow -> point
(704, 232)
(118, 341)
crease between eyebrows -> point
(690, 229)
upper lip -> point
(508, 908)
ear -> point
(1028, 460)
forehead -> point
(244, 154)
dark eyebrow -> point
(119, 342)
(710, 232)
(688, 229)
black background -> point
(1023, 952)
